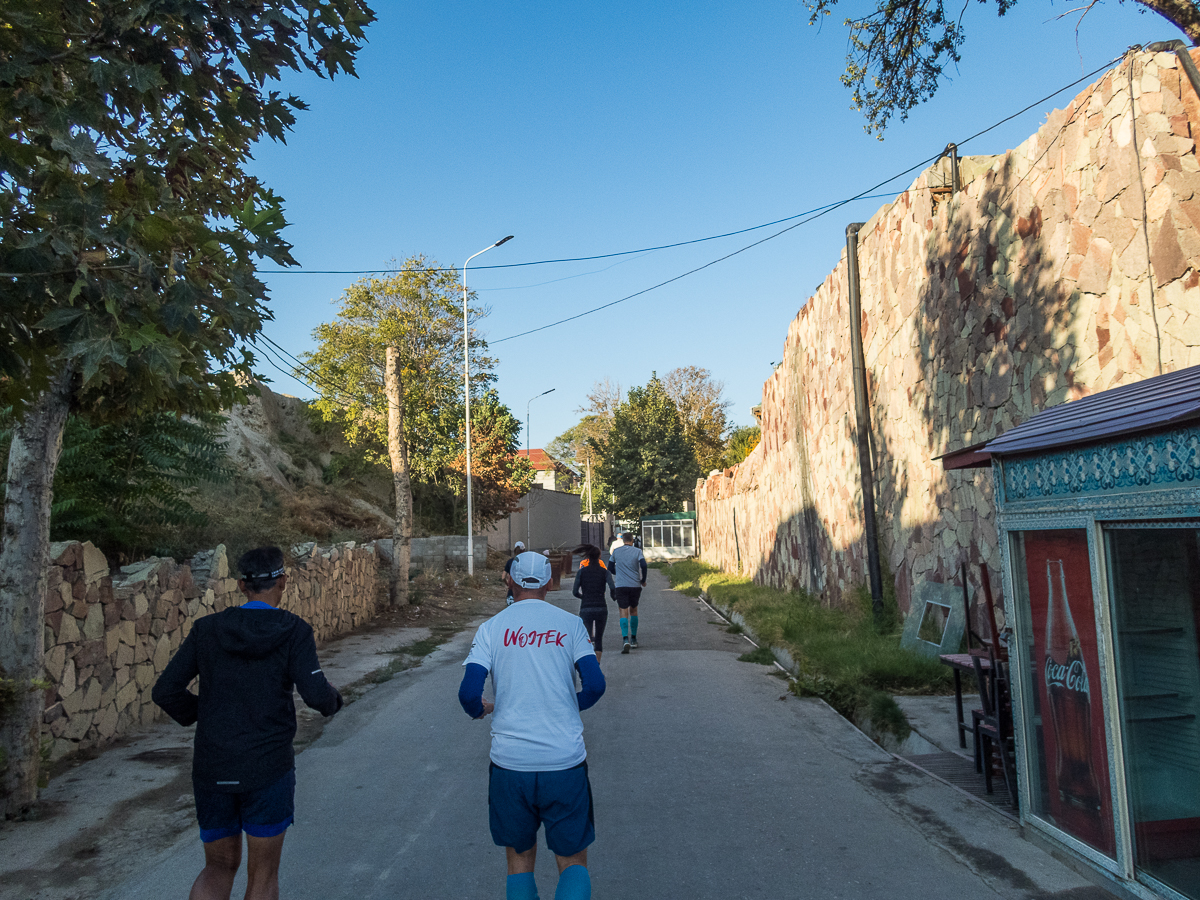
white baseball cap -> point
(519, 545)
(530, 571)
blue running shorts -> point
(265, 812)
(518, 802)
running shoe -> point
(633, 642)
(625, 649)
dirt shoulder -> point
(105, 811)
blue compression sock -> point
(633, 625)
(624, 628)
(574, 884)
(522, 887)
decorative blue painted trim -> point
(1137, 462)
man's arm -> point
(642, 566)
(170, 691)
(470, 692)
(592, 680)
(612, 586)
(306, 674)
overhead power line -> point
(822, 211)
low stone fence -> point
(108, 637)
(440, 552)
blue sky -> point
(593, 129)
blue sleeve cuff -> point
(470, 692)
(593, 682)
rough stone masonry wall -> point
(1029, 288)
(108, 638)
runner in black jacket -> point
(247, 658)
(590, 581)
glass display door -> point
(1154, 585)
(1065, 735)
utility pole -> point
(398, 454)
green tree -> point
(129, 235)
(646, 458)
(122, 485)
(740, 443)
(577, 444)
(418, 310)
(702, 409)
(499, 477)
(900, 49)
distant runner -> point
(590, 581)
(538, 772)
(243, 767)
(629, 574)
(518, 547)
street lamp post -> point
(467, 401)
(529, 456)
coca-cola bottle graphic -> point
(1070, 699)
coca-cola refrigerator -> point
(1068, 744)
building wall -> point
(1029, 288)
(553, 523)
(108, 638)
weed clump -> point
(844, 655)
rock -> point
(162, 655)
(106, 725)
(66, 682)
(95, 566)
(126, 695)
(69, 633)
(93, 625)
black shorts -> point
(264, 812)
(594, 620)
(627, 597)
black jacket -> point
(590, 582)
(248, 660)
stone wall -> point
(108, 637)
(1029, 288)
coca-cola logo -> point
(1072, 675)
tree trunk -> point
(1183, 14)
(398, 452)
(24, 551)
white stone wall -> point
(1029, 288)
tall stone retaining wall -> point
(1030, 287)
(108, 637)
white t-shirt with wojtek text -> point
(530, 650)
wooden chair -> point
(993, 725)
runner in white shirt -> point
(538, 773)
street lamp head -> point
(503, 240)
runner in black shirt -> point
(590, 582)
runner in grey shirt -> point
(629, 577)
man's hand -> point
(488, 706)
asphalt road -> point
(709, 782)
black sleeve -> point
(577, 590)
(171, 690)
(642, 566)
(306, 673)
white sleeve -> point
(581, 644)
(481, 647)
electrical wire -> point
(817, 214)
